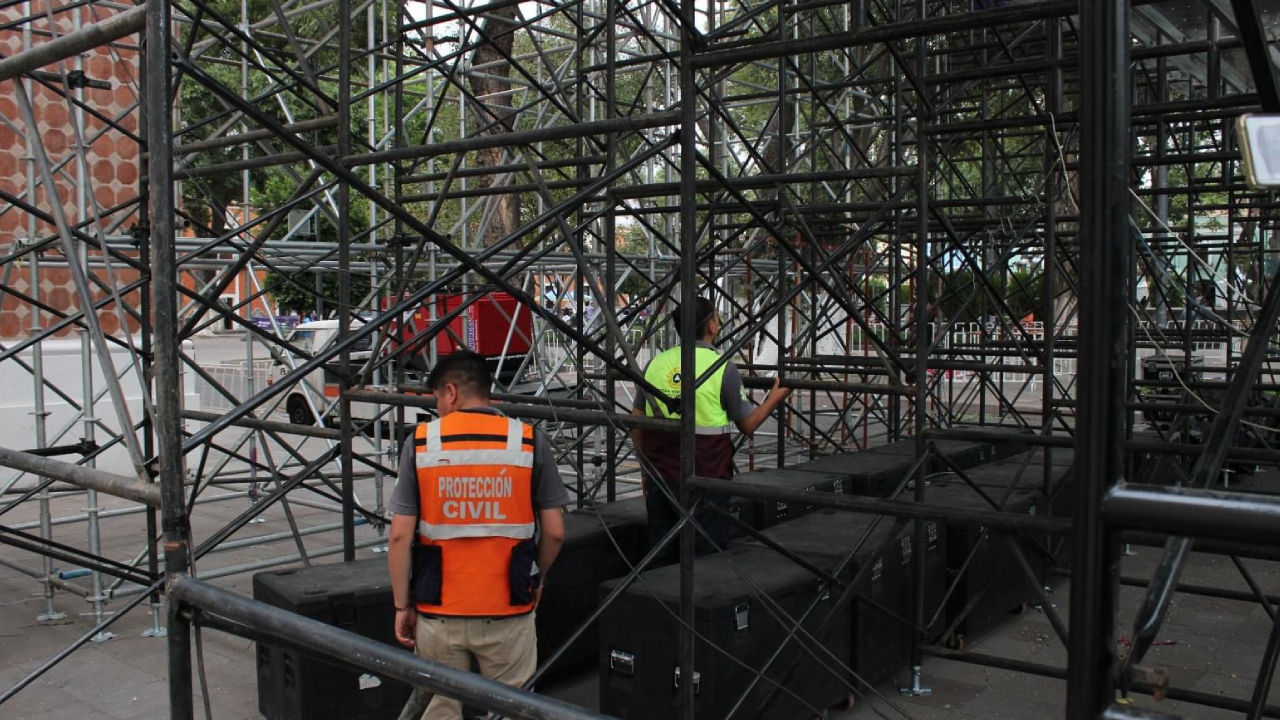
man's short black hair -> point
(703, 309)
(466, 370)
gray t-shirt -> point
(548, 488)
(733, 397)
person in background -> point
(478, 521)
(721, 405)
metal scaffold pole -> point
(1103, 281)
(169, 468)
(1025, 227)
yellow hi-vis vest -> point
(665, 374)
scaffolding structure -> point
(932, 219)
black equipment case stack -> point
(632, 513)
(879, 642)
(964, 453)
(993, 584)
(587, 559)
(862, 473)
(632, 520)
(354, 596)
(631, 510)
(1029, 470)
(761, 514)
(639, 663)
(877, 471)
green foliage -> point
(298, 297)
(965, 298)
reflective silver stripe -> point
(518, 458)
(721, 430)
(515, 434)
(433, 439)
(518, 531)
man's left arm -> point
(733, 397)
(549, 500)
(550, 540)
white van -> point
(321, 384)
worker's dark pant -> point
(713, 459)
(663, 515)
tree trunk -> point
(491, 102)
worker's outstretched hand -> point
(407, 626)
(778, 391)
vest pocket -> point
(428, 574)
(520, 571)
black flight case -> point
(588, 558)
(880, 619)
(872, 474)
(639, 668)
(992, 583)
(963, 453)
(761, 514)
(354, 596)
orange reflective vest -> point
(476, 520)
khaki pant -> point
(505, 648)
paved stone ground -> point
(1214, 646)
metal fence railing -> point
(234, 378)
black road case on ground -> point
(964, 453)
(587, 559)
(354, 596)
(1058, 491)
(761, 514)
(880, 620)
(1058, 456)
(993, 584)
(639, 669)
(863, 473)
(632, 514)
(1056, 486)
(1167, 369)
(633, 510)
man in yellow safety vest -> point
(720, 406)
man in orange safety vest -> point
(478, 521)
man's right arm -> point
(404, 523)
(399, 563)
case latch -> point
(623, 662)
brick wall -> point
(111, 177)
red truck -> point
(495, 326)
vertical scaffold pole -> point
(1105, 252)
(164, 299)
(688, 337)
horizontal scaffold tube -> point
(380, 658)
(1214, 514)
(993, 519)
(88, 478)
(793, 383)
(322, 123)
(888, 32)
(519, 137)
(83, 40)
(521, 410)
(270, 425)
